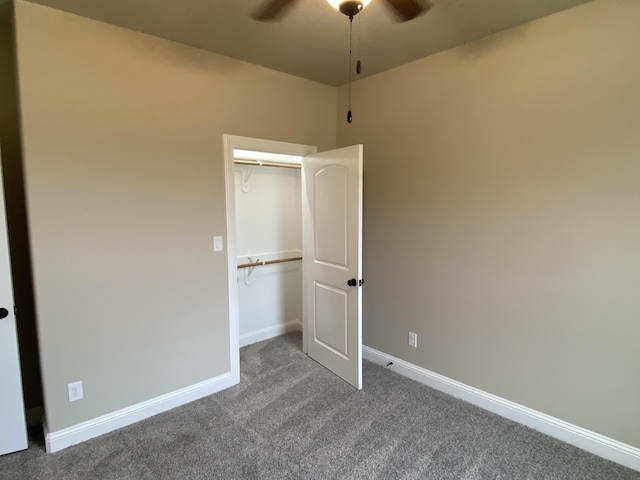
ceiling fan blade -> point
(272, 10)
(409, 9)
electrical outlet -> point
(413, 340)
(75, 391)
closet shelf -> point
(260, 263)
(262, 163)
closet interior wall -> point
(268, 227)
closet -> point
(277, 210)
(268, 244)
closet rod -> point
(261, 163)
(268, 262)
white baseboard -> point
(66, 437)
(592, 442)
(270, 332)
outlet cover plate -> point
(75, 391)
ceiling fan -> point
(405, 10)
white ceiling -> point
(312, 40)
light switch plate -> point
(217, 244)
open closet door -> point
(332, 268)
(13, 429)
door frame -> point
(231, 142)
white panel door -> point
(13, 429)
(332, 272)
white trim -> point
(232, 265)
(66, 437)
(270, 332)
(231, 142)
(592, 442)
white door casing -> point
(332, 266)
(231, 142)
(13, 429)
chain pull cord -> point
(358, 64)
(349, 116)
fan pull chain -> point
(358, 64)
(349, 116)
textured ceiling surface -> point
(312, 40)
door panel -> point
(13, 430)
(332, 244)
(331, 319)
(330, 215)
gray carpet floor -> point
(291, 419)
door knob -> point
(352, 282)
(3, 313)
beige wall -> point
(16, 213)
(502, 214)
(123, 157)
(502, 197)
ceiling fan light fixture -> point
(349, 7)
